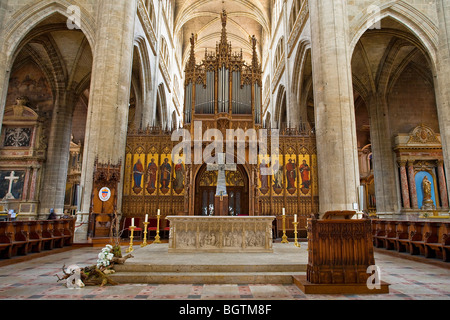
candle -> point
(132, 222)
(159, 212)
(295, 218)
(146, 218)
(284, 211)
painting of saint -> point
(178, 182)
(138, 171)
(291, 176)
(152, 170)
(278, 178)
(166, 172)
(305, 171)
(263, 178)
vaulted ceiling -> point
(202, 18)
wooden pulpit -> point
(340, 254)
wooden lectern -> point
(340, 254)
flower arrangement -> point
(105, 257)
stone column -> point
(404, 184)
(442, 82)
(53, 188)
(412, 185)
(384, 167)
(442, 185)
(337, 150)
(106, 127)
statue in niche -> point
(428, 203)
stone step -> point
(206, 277)
(134, 267)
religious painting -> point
(305, 175)
(18, 137)
(425, 188)
(128, 170)
(277, 178)
(152, 174)
(138, 174)
(29, 81)
(291, 174)
(314, 175)
(179, 177)
(11, 184)
(165, 172)
(263, 166)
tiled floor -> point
(36, 280)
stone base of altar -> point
(220, 234)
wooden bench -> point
(24, 237)
(48, 240)
(390, 240)
(432, 245)
(58, 233)
(19, 238)
(402, 241)
(5, 241)
(34, 236)
(428, 238)
(68, 231)
(416, 238)
(380, 234)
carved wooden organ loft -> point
(223, 91)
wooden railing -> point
(24, 237)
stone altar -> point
(220, 234)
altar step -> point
(207, 274)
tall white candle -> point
(284, 211)
(146, 218)
(159, 212)
(132, 222)
(295, 218)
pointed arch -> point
(418, 23)
(24, 21)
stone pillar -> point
(384, 167)
(106, 127)
(53, 188)
(442, 82)
(442, 185)
(337, 150)
(412, 185)
(404, 185)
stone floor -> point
(36, 280)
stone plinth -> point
(220, 234)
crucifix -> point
(221, 200)
(11, 178)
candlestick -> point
(144, 243)
(157, 238)
(284, 238)
(130, 248)
(296, 232)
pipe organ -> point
(223, 86)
